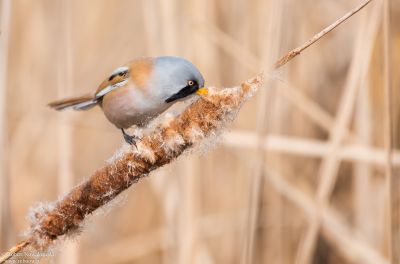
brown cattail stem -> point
(14, 250)
(200, 120)
(294, 52)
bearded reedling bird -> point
(139, 91)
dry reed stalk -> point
(256, 182)
(363, 174)
(5, 19)
(204, 52)
(265, 106)
(187, 211)
(328, 171)
(310, 148)
(202, 119)
(151, 23)
(69, 254)
(169, 26)
(392, 181)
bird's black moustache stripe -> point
(186, 91)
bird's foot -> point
(131, 140)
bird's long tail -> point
(77, 103)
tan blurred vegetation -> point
(304, 164)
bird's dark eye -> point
(189, 89)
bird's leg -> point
(131, 140)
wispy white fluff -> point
(172, 142)
(146, 152)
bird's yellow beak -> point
(202, 91)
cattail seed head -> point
(202, 119)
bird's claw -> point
(131, 140)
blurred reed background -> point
(302, 176)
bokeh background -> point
(301, 176)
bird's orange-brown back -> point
(139, 72)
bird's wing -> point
(119, 77)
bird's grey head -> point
(177, 78)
